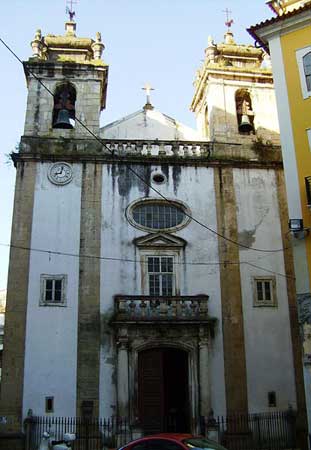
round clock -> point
(60, 173)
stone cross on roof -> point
(148, 89)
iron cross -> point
(229, 21)
(69, 9)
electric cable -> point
(135, 261)
(232, 241)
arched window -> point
(307, 69)
(244, 112)
(64, 106)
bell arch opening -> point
(163, 390)
(64, 106)
(244, 111)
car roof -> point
(177, 436)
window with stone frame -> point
(303, 57)
(53, 290)
(264, 291)
(161, 255)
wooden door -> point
(163, 390)
(151, 390)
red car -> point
(172, 441)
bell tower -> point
(67, 83)
(234, 98)
(56, 171)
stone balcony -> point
(178, 309)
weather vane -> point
(229, 21)
(69, 9)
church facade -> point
(146, 274)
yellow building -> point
(287, 37)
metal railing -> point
(174, 308)
(265, 431)
(92, 433)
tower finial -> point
(229, 21)
(69, 9)
(148, 88)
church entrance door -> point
(163, 390)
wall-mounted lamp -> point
(295, 225)
(296, 228)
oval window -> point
(158, 215)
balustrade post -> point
(163, 308)
(143, 308)
(162, 150)
(175, 149)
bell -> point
(245, 125)
(63, 120)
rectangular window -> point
(272, 399)
(53, 290)
(303, 57)
(49, 404)
(264, 291)
(309, 137)
(161, 275)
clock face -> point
(60, 173)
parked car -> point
(172, 441)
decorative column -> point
(89, 324)
(123, 375)
(231, 293)
(204, 381)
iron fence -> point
(91, 433)
(266, 431)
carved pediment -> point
(160, 240)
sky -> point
(161, 42)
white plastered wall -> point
(51, 331)
(269, 357)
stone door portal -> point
(163, 394)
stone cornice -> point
(214, 161)
(193, 153)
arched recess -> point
(244, 111)
(64, 106)
(206, 122)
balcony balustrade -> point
(131, 308)
(158, 148)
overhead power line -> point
(135, 261)
(226, 238)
